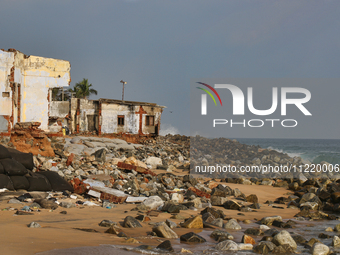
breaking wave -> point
(168, 129)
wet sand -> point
(57, 230)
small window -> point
(5, 94)
(150, 120)
(120, 120)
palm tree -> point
(83, 89)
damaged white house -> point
(108, 116)
(26, 84)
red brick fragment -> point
(199, 192)
(70, 159)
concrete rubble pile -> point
(155, 176)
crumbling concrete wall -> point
(41, 74)
(88, 109)
(3, 124)
(109, 118)
(59, 109)
(24, 86)
(73, 113)
(6, 68)
(102, 116)
(58, 115)
(151, 111)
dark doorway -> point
(91, 123)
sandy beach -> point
(58, 230)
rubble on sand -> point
(97, 171)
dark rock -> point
(215, 213)
(336, 197)
(281, 200)
(264, 247)
(208, 217)
(283, 249)
(141, 218)
(231, 205)
(191, 237)
(166, 246)
(254, 231)
(122, 234)
(190, 179)
(190, 193)
(219, 193)
(174, 209)
(271, 232)
(324, 195)
(107, 223)
(324, 236)
(255, 206)
(252, 199)
(281, 224)
(267, 238)
(315, 215)
(47, 204)
(220, 235)
(130, 222)
(100, 155)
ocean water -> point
(313, 150)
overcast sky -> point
(157, 46)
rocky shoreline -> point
(154, 178)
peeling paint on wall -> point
(35, 76)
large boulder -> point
(232, 224)
(195, 222)
(319, 249)
(162, 230)
(284, 238)
(153, 162)
(153, 202)
(130, 222)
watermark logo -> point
(238, 104)
(204, 97)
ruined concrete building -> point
(26, 84)
(107, 116)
